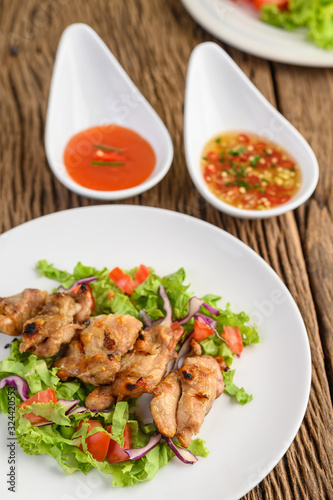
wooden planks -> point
(153, 39)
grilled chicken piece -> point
(141, 369)
(15, 310)
(94, 353)
(163, 406)
(184, 397)
(56, 324)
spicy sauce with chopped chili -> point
(249, 171)
(109, 158)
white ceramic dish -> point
(219, 97)
(245, 442)
(90, 88)
(239, 25)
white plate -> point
(246, 442)
(240, 27)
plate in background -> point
(240, 27)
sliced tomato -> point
(232, 336)
(116, 452)
(281, 4)
(201, 330)
(123, 280)
(213, 156)
(243, 138)
(40, 397)
(141, 274)
(98, 443)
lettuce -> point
(232, 389)
(315, 15)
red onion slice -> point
(18, 383)
(77, 283)
(183, 454)
(206, 319)
(82, 409)
(68, 404)
(167, 320)
(136, 453)
(184, 349)
(146, 320)
(194, 307)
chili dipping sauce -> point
(109, 158)
(249, 172)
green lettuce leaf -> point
(232, 389)
(314, 15)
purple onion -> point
(18, 383)
(195, 305)
(82, 409)
(68, 404)
(182, 453)
(206, 319)
(167, 320)
(184, 349)
(146, 320)
(43, 424)
(136, 453)
(77, 283)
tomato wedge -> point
(125, 282)
(98, 443)
(41, 397)
(116, 452)
(281, 4)
(141, 274)
(201, 330)
(232, 336)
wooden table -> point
(153, 40)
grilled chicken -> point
(15, 310)
(142, 368)
(94, 353)
(184, 397)
(57, 322)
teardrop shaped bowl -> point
(90, 88)
(220, 98)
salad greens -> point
(62, 439)
(316, 15)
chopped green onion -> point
(240, 183)
(237, 152)
(107, 163)
(254, 162)
(107, 148)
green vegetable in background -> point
(316, 15)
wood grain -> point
(153, 39)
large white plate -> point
(240, 27)
(245, 443)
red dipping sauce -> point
(109, 158)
